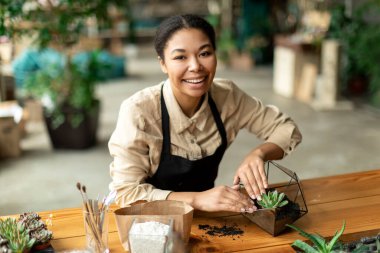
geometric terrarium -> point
(284, 188)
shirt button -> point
(192, 141)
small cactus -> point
(272, 199)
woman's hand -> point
(251, 172)
(223, 198)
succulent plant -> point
(36, 227)
(320, 244)
(4, 248)
(17, 235)
(272, 199)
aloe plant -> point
(272, 199)
(320, 244)
(17, 235)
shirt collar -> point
(179, 121)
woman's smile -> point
(195, 82)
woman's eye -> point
(179, 57)
(206, 53)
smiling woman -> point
(190, 67)
(170, 138)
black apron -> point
(176, 173)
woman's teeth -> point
(194, 80)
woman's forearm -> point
(187, 197)
(268, 151)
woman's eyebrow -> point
(177, 50)
(204, 46)
(180, 50)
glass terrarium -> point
(282, 180)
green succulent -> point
(16, 234)
(272, 199)
(36, 227)
(320, 244)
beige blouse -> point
(136, 143)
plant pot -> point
(42, 247)
(66, 136)
(274, 220)
(357, 85)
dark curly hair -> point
(175, 23)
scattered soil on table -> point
(221, 231)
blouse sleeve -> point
(267, 122)
(129, 146)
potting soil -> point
(221, 231)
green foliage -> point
(16, 234)
(60, 24)
(319, 243)
(226, 45)
(272, 199)
(360, 41)
(59, 86)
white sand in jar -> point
(148, 237)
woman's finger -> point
(250, 184)
(259, 180)
(263, 175)
(233, 196)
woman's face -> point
(190, 63)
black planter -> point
(66, 136)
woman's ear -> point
(162, 65)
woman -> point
(170, 138)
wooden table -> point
(354, 198)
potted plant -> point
(320, 245)
(26, 233)
(37, 230)
(282, 204)
(359, 36)
(66, 87)
(17, 235)
(366, 49)
(71, 109)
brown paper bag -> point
(180, 212)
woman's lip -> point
(195, 80)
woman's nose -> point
(195, 65)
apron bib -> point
(179, 174)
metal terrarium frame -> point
(274, 220)
(294, 180)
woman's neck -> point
(190, 106)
